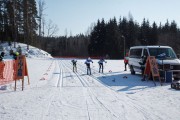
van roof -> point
(157, 46)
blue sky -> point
(76, 16)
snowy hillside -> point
(31, 53)
(57, 93)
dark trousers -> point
(74, 67)
(125, 65)
(101, 67)
(88, 69)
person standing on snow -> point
(126, 61)
(87, 62)
(100, 62)
(143, 65)
(19, 50)
(2, 65)
(2, 56)
(15, 54)
(74, 61)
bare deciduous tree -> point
(52, 29)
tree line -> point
(115, 38)
(20, 21)
(73, 46)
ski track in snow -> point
(88, 82)
(90, 94)
(136, 108)
(68, 95)
(84, 81)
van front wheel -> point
(132, 70)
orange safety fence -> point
(7, 72)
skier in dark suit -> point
(74, 61)
(101, 66)
(87, 62)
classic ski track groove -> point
(88, 92)
(136, 105)
(94, 98)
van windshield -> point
(162, 53)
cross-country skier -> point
(74, 61)
(87, 62)
(101, 61)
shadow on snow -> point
(127, 82)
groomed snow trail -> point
(68, 95)
(83, 97)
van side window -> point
(158, 51)
(135, 53)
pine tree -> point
(132, 34)
(154, 35)
(144, 36)
(30, 25)
(113, 40)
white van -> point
(136, 54)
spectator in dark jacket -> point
(2, 56)
(2, 65)
(143, 65)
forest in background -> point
(20, 21)
(114, 37)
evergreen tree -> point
(144, 35)
(97, 38)
(153, 40)
(30, 25)
(132, 34)
(173, 27)
(113, 40)
(123, 27)
(124, 35)
(166, 27)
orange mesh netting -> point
(7, 72)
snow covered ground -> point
(57, 93)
